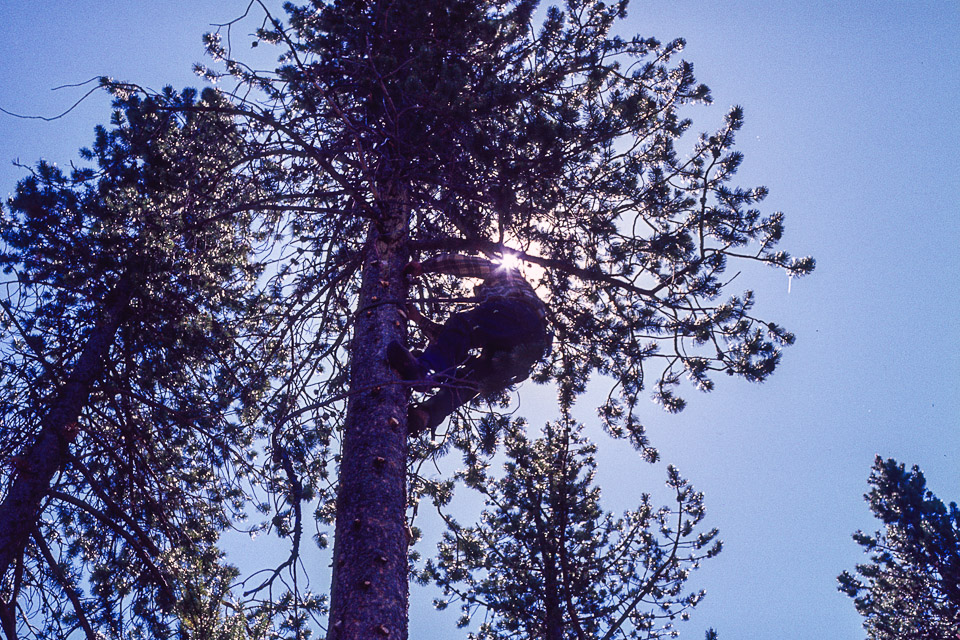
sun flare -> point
(509, 261)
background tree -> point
(545, 560)
(910, 589)
(123, 439)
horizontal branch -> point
(487, 246)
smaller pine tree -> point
(911, 586)
(546, 561)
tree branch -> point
(651, 581)
(137, 545)
(487, 246)
(65, 582)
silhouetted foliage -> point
(127, 286)
(545, 560)
(910, 589)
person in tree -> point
(482, 350)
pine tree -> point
(401, 129)
(126, 279)
(394, 130)
(910, 589)
(545, 560)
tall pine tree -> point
(403, 129)
(122, 430)
(545, 560)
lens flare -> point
(509, 261)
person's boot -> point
(417, 419)
(404, 363)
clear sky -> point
(852, 122)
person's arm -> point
(427, 326)
(460, 265)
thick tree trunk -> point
(369, 595)
(36, 467)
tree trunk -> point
(369, 594)
(552, 607)
(35, 468)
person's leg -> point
(452, 343)
(500, 328)
(455, 390)
(499, 325)
(448, 348)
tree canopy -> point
(911, 586)
(260, 233)
(123, 301)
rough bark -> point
(36, 467)
(369, 594)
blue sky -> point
(851, 121)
